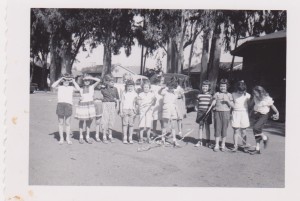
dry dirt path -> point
(117, 164)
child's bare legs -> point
(88, 125)
(148, 131)
(244, 136)
(179, 122)
(223, 142)
(155, 125)
(104, 131)
(110, 135)
(141, 135)
(207, 131)
(68, 129)
(81, 122)
(98, 128)
(165, 124)
(235, 138)
(130, 134)
(61, 129)
(200, 134)
(125, 128)
(173, 124)
(217, 143)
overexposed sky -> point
(95, 57)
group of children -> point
(166, 104)
(234, 108)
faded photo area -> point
(157, 97)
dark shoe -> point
(266, 142)
(254, 152)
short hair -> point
(173, 83)
(129, 82)
(206, 82)
(146, 83)
(108, 78)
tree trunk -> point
(52, 60)
(180, 62)
(169, 56)
(204, 59)
(191, 53)
(142, 63)
(145, 58)
(233, 57)
(66, 57)
(215, 54)
(106, 60)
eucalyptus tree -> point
(112, 28)
(39, 46)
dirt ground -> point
(117, 164)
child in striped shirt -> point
(203, 119)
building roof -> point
(279, 36)
(223, 65)
(99, 68)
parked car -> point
(190, 93)
(33, 87)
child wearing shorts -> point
(204, 120)
(222, 101)
(146, 101)
(170, 110)
(128, 110)
(86, 112)
(64, 105)
(262, 105)
(98, 97)
(240, 116)
(110, 105)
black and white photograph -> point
(157, 97)
(149, 100)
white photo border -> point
(17, 105)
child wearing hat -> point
(86, 112)
(128, 110)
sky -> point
(88, 58)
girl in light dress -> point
(86, 112)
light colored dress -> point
(146, 109)
(180, 102)
(86, 108)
